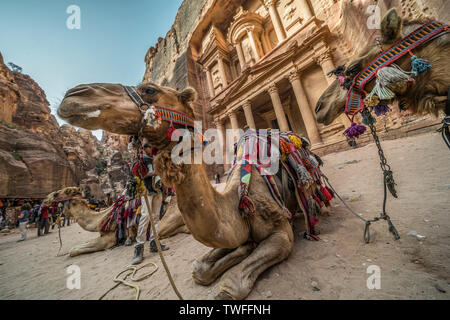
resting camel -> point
(427, 95)
(242, 248)
(92, 221)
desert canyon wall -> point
(37, 156)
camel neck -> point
(212, 217)
(88, 219)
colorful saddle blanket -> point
(261, 148)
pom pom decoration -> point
(419, 65)
(381, 110)
(354, 131)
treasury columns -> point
(278, 107)
(279, 30)
(249, 115)
(308, 117)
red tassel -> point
(317, 200)
(247, 206)
(326, 194)
(170, 131)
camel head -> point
(69, 193)
(108, 107)
(332, 102)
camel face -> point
(100, 106)
(69, 192)
(331, 103)
(108, 107)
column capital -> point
(231, 113)
(218, 122)
(273, 88)
(247, 104)
(269, 3)
(293, 76)
(323, 56)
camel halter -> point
(152, 115)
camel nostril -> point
(318, 106)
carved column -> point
(253, 43)
(278, 107)
(221, 131)
(305, 109)
(210, 82)
(275, 17)
(241, 57)
(247, 106)
(223, 74)
(305, 9)
(233, 119)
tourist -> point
(43, 220)
(2, 219)
(54, 213)
(24, 217)
(141, 236)
(217, 177)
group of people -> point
(33, 212)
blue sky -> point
(110, 46)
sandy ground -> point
(337, 265)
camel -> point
(429, 93)
(91, 220)
(242, 248)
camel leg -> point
(105, 241)
(217, 261)
(237, 282)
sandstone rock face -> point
(37, 156)
(118, 163)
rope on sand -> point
(132, 271)
(158, 245)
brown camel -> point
(427, 95)
(92, 221)
(242, 248)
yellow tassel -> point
(138, 211)
(296, 141)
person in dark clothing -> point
(43, 220)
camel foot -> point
(238, 281)
(217, 261)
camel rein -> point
(151, 115)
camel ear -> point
(391, 26)
(188, 95)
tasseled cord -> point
(247, 206)
(354, 131)
(381, 110)
(419, 65)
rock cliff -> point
(37, 156)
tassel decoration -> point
(419, 65)
(314, 208)
(330, 191)
(170, 132)
(369, 119)
(354, 131)
(328, 196)
(381, 110)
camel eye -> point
(150, 91)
